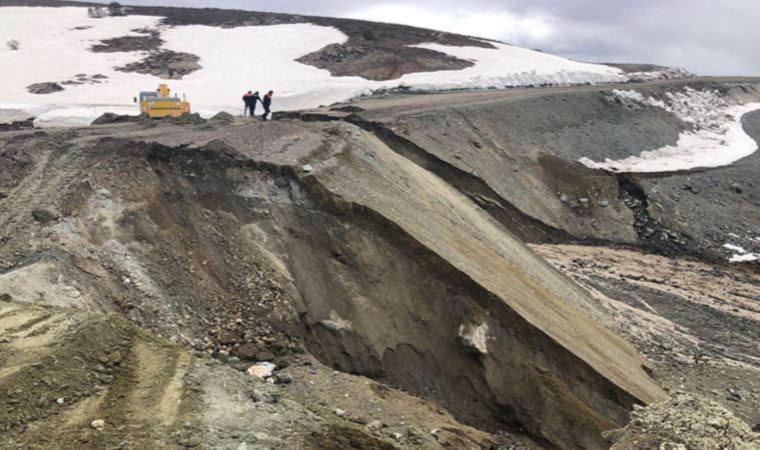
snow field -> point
(55, 46)
(717, 139)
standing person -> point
(267, 102)
(249, 100)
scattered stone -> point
(247, 352)
(262, 370)
(736, 188)
(229, 337)
(283, 378)
(375, 425)
(60, 401)
(44, 216)
(44, 88)
(685, 421)
(604, 203)
(735, 394)
(307, 168)
(98, 424)
(339, 412)
(6, 298)
(271, 397)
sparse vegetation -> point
(13, 44)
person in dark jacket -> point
(250, 99)
(267, 102)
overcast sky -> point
(710, 37)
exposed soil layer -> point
(44, 88)
(165, 64)
(381, 63)
(518, 150)
(72, 379)
(373, 247)
(17, 125)
(210, 235)
(147, 43)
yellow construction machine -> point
(161, 103)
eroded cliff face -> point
(369, 262)
(385, 240)
(516, 154)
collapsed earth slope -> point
(385, 239)
(214, 235)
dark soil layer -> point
(517, 154)
(336, 438)
(17, 125)
(148, 43)
(211, 235)
(165, 64)
(44, 88)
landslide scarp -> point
(517, 154)
(214, 236)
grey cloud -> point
(705, 36)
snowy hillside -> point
(717, 137)
(55, 46)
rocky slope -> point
(384, 240)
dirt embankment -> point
(206, 236)
(516, 153)
(377, 248)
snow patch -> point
(717, 137)
(740, 254)
(475, 337)
(55, 46)
(508, 66)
